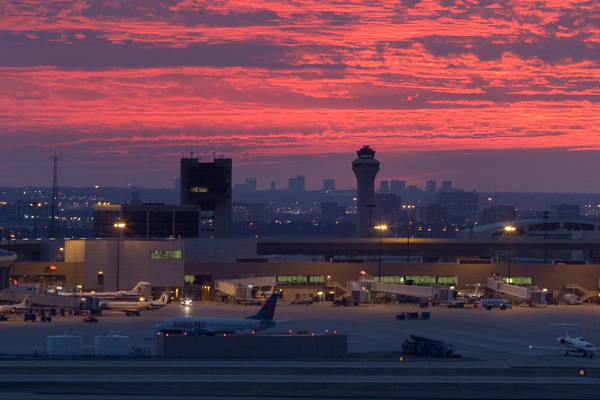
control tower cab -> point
(365, 168)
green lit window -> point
(447, 280)
(421, 280)
(197, 189)
(390, 279)
(189, 279)
(519, 280)
(300, 279)
(166, 254)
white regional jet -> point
(134, 307)
(134, 293)
(571, 345)
(20, 308)
(262, 320)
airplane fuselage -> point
(578, 346)
(126, 306)
(13, 310)
(211, 326)
(135, 306)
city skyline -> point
(494, 95)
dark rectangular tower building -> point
(208, 184)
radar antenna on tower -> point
(53, 213)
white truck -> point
(488, 304)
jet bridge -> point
(529, 294)
(241, 289)
(360, 290)
(44, 299)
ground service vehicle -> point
(488, 304)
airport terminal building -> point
(192, 266)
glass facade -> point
(419, 280)
(160, 224)
(519, 280)
(166, 254)
(390, 279)
(197, 279)
(447, 280)
(300, 279)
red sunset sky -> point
(490, 94)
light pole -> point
(381, 228)
(408, 207)
(509, 230)
(120, 226)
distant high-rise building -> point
(564, 211)
(387, 208)
(329, 185)
(251, 183)
(272, 185)
(208, 184)
(461, 206)
(332, 211)
(430, 186)
(365, 167)
(384, 186)
(297, 184)
(255, 212)
(432, 214)
(397, 186)
(446, 186)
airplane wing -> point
(283, 320)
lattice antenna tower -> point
(54, 158)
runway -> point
(147, 378)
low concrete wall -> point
(253, 346)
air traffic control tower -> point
(365, 168)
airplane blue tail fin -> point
(267, 311)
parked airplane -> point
(20, 308)
(262, 320)
(134, 293)
(134, 307)
(471, 297)
(571, 345)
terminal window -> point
(390, 279)
(166, 254)
(420, 280)
(300, 279)
(447, 280)
(519, 280)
